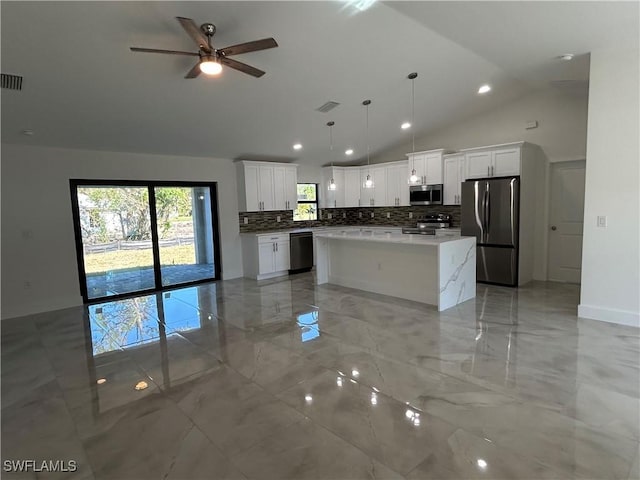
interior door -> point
(566, 221)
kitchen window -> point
(307, 202)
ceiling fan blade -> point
(195, 33)
(248, 47)
(194, 72)
(155, 50)
(242, 67)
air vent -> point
(327, 106)
(12, 82)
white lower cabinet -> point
(265, 256)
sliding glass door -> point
(142, 236)
(186, 234)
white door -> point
(266, 188)
(252, 188)
(266, 254)
(506, 162)
(478, 164)
(434, 168)
(281, 261)
(566, 212)
(291, 188)
(379, 175)
(279, 199)
(352, 187)
(451, 186)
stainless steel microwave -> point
(425, 194)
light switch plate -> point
(602, 221)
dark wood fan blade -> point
(194, 72)
(248, 47)
(155, 50)
(243, 67)
(195, 33)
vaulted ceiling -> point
(84, 88)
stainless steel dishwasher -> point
(300, 252)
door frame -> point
(74, 183)
(549, 206)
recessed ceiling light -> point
(349, 151)
(484, 89)
(566, 57)
(405, 125)
(297, 146)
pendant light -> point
(332, 183)
(368, 183)
(413, 179)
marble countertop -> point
(402, 238)
(323, 228)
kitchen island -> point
(422, 268)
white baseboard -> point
(611, 315)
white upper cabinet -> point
(333, 198)
(428, 166)
(495, 161)
(266, 186)
(352, 187)
(397, 184)
(454, 175)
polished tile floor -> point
(287, 380)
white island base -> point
(436, 271)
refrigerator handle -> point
(487, 214)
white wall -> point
(309, 174)
(562, 130)
(610, 259)
(37, 229)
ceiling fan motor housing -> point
(209, 29)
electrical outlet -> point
(410, 214)
(359, 214)
(277, 218)
(373, 214)
(329, 216)
(602, 221)
(388, 214)
(246, 220)
(344, 214)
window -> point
(307, 202)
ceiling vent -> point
(12, 82)
(327, 107)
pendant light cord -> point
(368, 164)
(413, 115)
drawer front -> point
(273, 238)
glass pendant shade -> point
(368, 183)
(332, 184)
(413, 179)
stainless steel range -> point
(428, 224)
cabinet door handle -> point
(488, 169)
(492, 170)
(335, 203)
(276, 247)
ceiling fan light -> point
(210, 66)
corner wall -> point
(38, 244)
(610, 258)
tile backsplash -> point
(262, 221)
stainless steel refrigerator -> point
(490, 212)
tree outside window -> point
(307, 202)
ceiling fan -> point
(212, 59)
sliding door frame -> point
(74, 183)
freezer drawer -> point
(497, 265)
